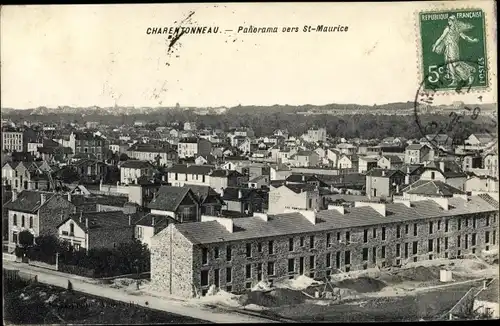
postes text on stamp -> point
(453, 50)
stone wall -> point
(50, 214)
(172, 263)
(110, 238)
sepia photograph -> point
(275, 162)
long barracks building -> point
(235, 254)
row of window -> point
(23, 221)
(229, 273)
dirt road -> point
(84, 285)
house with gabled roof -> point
(418, 153)
(210, 200)
(424, 189)
(390, 162)
(243, 200)
(304, 158)
(92, 230)
(36, 211)
(180, 203)
(383, 182)
(366, 163)
(132, 170)
(348, 162)
(446, 171)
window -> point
(365, 254)
(407, 228)
(415, 229)
(365, 236)
(466, 222)
(216, 277)
(474, 236)
(259, 271)
(338, 236)
(270, 268)
(474, 222)
(398, 232)
(229, 274)
(328, 240)
(248, 271)
(439, 225)
(290, 244)
(438, 245)
(291, 265)
(382, 254)
(14, 219)
(446, 225)
(415, 247)
(310, 202)
(446, 243)
(328, 259)
(14, 237)
(433, 175)
(22, 221)
(301, 265)
(429, 246)
(406, 250)
(347, 236)
(383, 233)
(204, 256)
(347, 257)
(176, 176)
(374, 255)
(487, 237)
(302, 241)
(374, 233)
(487, 221)
(31, 222)
(337, 260)
(458, 241)
(229, 252)
(216, 252)
(204, 278)
(312, 262)
(398, 250)
(259, 247)
(430, 227)
(311, 241)
(72, 229)
(459, 224)
(466, 241)
(249, 250)
(271, 247)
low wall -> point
(9, 257)
(42, 265)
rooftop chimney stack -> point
(69, 197)
(240, 194)
(441, 166)
(153, 221)
(87, 222)
(14, 195)
(81, 216)
(222, 191)
(129, 219)
(383, 173)
(43, 198)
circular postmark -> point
(447, 133)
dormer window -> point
(433, 175)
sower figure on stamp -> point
(448, 41)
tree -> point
(68, 174)
(26, 239)
(123, 157)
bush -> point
(77, 270)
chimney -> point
(397, 189)
(441, 166)
(240, 194)
(379, 207)
(484, 285)
(152, 221)
(69, 197)
(408, 170)
(14, 195)
(81, 216)
(339, 209)
(443, 202)
(129, 219)
(43, 198)
(383, 173)
(224, 221)
(303, 178)
(87, 222)
(263, 216)
(407, 179)
(222, 191)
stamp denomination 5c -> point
(453, 50)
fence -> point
(42, 265)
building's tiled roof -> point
(231, 193)
(490, 200)
(414, 147)
(294, 223)
(192, 140)
(202, 192)
(432, 188)
(383, 173)
(220, 173)
(135, 164)
(160, 221)
(86, 136)
(393, 158)
(168, 198)
(99, 220)
(258, 178)
(411, 169)
(300, 187)
(191, 169)
(151, 148)
(369, 159)
(28, 201)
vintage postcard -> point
(249, 162)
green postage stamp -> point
(453, 50)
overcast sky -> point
(101, 55)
